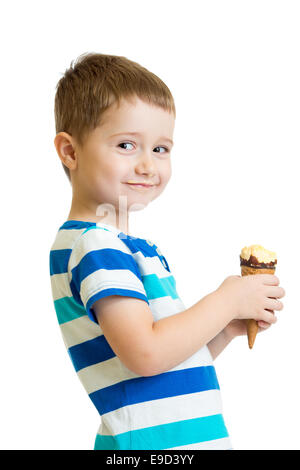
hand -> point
(254, 296)
(239, 328)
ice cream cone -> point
(262, 262)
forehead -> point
(135, 115)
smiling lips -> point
(144, 184)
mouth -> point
(140, 185)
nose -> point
(145, 165)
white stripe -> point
(66, 238)
(162, 411)
(80, 330)
(107, 279)
(163, 307)
(95, 239)
(215, 444)
(60, 286)
(112, 228)
(103, 374)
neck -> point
(104, 213)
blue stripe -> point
(164, 436)
(59, 261)
(76, 224)
(106, 258)
(167, 384)
(140, 244)
(90, 352)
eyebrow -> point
(138, 133)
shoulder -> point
(95, 242)
(95, 238)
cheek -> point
(111, 180)
(166, 173)
(116, 168)
(110, 172)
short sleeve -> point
(101, 265)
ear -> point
(64, 145)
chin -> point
(136, 206)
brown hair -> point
(93, 83)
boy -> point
(144, 359)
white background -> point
(233, 69)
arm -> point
(149, 348)
(181, 335)
(232, 330)
(219, 342)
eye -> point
(125, 143)
(129, 143)
(166, 149)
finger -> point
(262, 324)
(270, 279)
(275, 292)
(273, 304)
(268, 316)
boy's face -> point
(107, 162)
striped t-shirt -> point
(177, 409)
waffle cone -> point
(252, 325)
